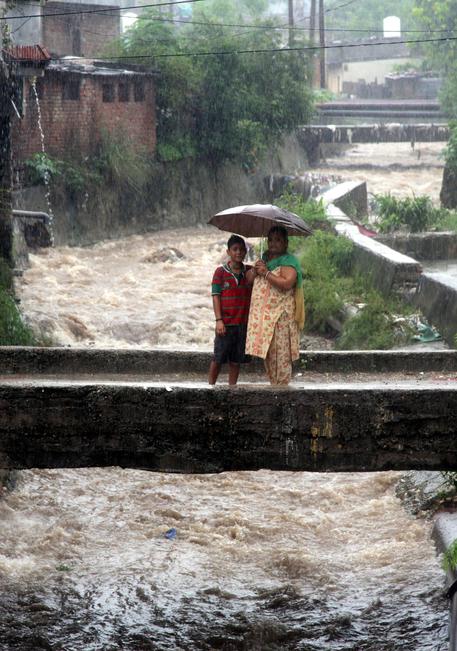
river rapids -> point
(111, 559)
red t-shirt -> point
(235, 294)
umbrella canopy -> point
(256, 220)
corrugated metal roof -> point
(28, 53)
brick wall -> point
(72, 127)
(81, 34)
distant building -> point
(351, 68)
(78, 100)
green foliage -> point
(414, 214)
(228, 105)
(175, 150)
(120, 163)
(450, 557)
(368, 16)
(441, 54)
(450, 151)
(371, 329)
(6, 276)
(41, 168)
(13, 332)
(117, 161)
(324, 259)
(310, 210)
(328, 285)
(446, 220)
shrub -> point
(415, 214)
(324, 259)
(310, 210)
(41, 168)
(450, 557)
(371, 329)
(121, 163)
(13, 331)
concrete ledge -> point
(436, 296)
(349, 197)
(187, 429)
(16, 360)
(389, 269)
(423, 246)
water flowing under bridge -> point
(347, 411)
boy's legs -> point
(234, 371)
(214, 370)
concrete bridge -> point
(313, 136)
(352, 411)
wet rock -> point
(421, 490)
(77, 328)
(169, 254)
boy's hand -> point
(220, 328)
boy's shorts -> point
(230, 347)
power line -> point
(266, 50)
(100, 11)
(282, 27)
(210, 24)
(340, 6)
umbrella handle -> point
(261, 247)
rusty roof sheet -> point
(28, 53)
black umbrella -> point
(257, 219)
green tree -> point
(214, 100)
(367, 17)
(441, 16)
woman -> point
(277, 311)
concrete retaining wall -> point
(16, 360)
(423, 246)
(77, 408)
(191, 429)
(436, 296)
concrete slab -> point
(346, 421)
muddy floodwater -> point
(116, 559)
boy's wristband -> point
(221, 319)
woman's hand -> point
(261, 268)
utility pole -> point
(322, 43)
(291, 22)
(312, 22)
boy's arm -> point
(220, 327)
(250, 275)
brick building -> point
(77, 101)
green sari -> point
(289, 260)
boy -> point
(231, 291)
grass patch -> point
(415, 215)
(449, 562)
(326, 260)
(310, 210)
(329, 285)
(13, 331)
